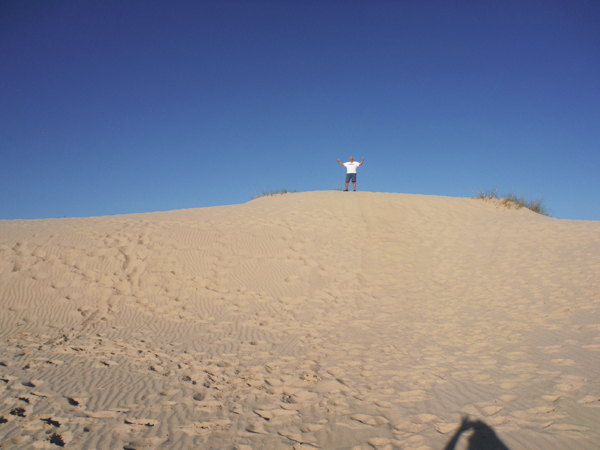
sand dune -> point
(332, 320)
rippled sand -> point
(331, 320)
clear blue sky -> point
(115, 107)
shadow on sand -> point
(482, 438)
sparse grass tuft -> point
(269, 193)
(513, 200)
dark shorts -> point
(351, 177)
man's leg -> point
(354, 183)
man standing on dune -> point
(351, 171)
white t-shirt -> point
(351, 166)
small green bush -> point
(269, 193)
(512, 199)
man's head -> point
(351, 159)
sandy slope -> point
(334, 320)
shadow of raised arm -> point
(483, 437)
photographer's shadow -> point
(483, 437)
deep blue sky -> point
(115, 107)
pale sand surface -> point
(332, 320)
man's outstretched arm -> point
(342, 162)
(361, 163)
